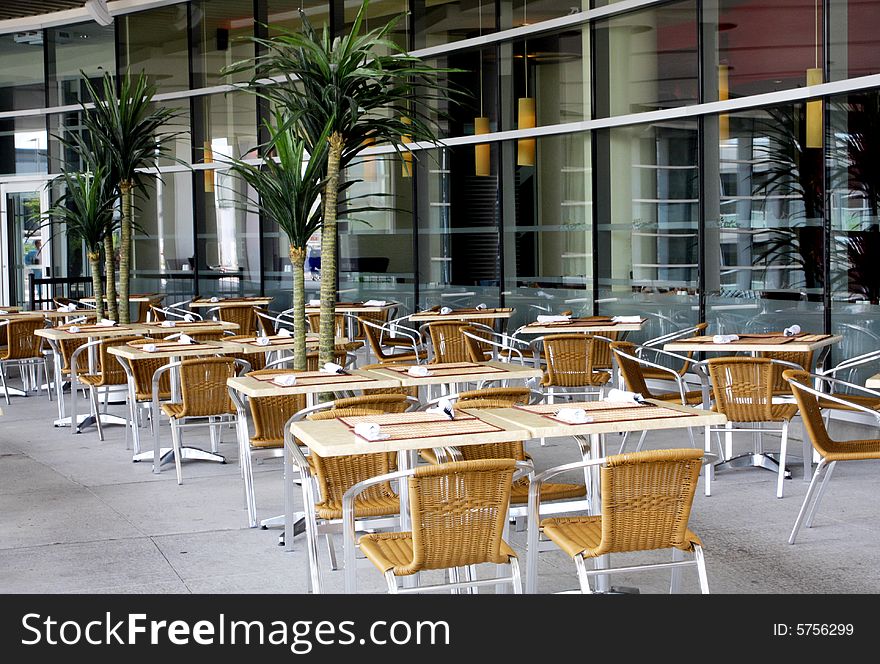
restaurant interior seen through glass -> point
(668, 160)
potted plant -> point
(125, 126)
(85, 210)
(365, 89)
(290, 194)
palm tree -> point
(290, 194)
(127, 128)
(86, 212)
(365, 89)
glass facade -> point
(648, 176)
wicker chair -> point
(406, 391)
(646, 505)
(459, 513)
(140, 390)
(325, 481)
(383, 344)
(804, 360)
(256, 360)
(204, 397)
(244, 316)
(110, 373)
(680, 368)
(24, 350)
(573, 361)
(146, 308)
(483, 344)
(314, 320)
(448, 343)
(831, 451)
(742, 390)
(633, 367)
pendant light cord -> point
(480, 53)
(525, 51)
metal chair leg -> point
(175, 442)
(701, 569)
(583, 579)
(331, 551)
(780, 478)
(821, 494)
(675, 575)
(93, 392)
(800, 517)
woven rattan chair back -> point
(742, 387)
(377, 317)
(203, 386)
(811, 414)
(336, 475)
(387, 403)
(338, 324)
(647, 499)
(144, 308)
(802, 359)
(407, 391)
(477, 351)
(458, 513)
(142, 372)
(270, 414)
(68, 347)
(112, 372)
(630, 369)
(256, 360)
(245, 316)
(447, 341)
(21, 344)
(601, 350)
(504, 397)
(340, 356)
(570, 360)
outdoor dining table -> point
(496, 317)
(586, 325)
(452, 373)
(165, 328)
(354, 309)
(173, 351)
(134, 297)
(10, 310)
(211, 302)
(308, 383)
(409, 432)
(606, 417)
(90, 332)
(873, 382)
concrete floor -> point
(77, 516)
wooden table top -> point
(10, 310)
(459, 372)
(52, 314)
(804, 344)
(873, 382)
(62, 332)
(190, 327)
(169, 349)
(357, 379)
(355, 307)
(231, 302)
(276, 342)
(620, 419)
(586, 325)
(336, 438)
(463, 314)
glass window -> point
(853, 27)
(439, 22)
(476, 84)
(22, 77)
(220, 28)
(762, 47)
(23, 145)
(164, 251)
(528, 12)
(285, 13)
(156, 42)
(548, 254)
(855, 226)
(647, 216)
(764, 229)
(647, 60)
(83, 48)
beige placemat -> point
(448, 369)
(400, 426)
(316, 378)
(604, 411)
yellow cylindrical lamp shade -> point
(814, 112)
(406, 165)
(482, 151)
(369, 162)
(209, 174)
(723, 95)
(525, 147)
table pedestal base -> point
(166, 455)
(752, 460)
(106, 418)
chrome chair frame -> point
(503, 346)
(536, 345)
(824, 466)
(523, 468)
(32, 364)
(534, 518)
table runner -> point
(400, 426)
(315, 378)
(447, 369)
(605, 411)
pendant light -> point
(814, 108)
(209, 172)
(723, 95)
(482, 151)
(525, 147)
(406, 155)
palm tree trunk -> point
(95, 263)
(125, 189)
(110, 277)
(298, 260)
(328, 252)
